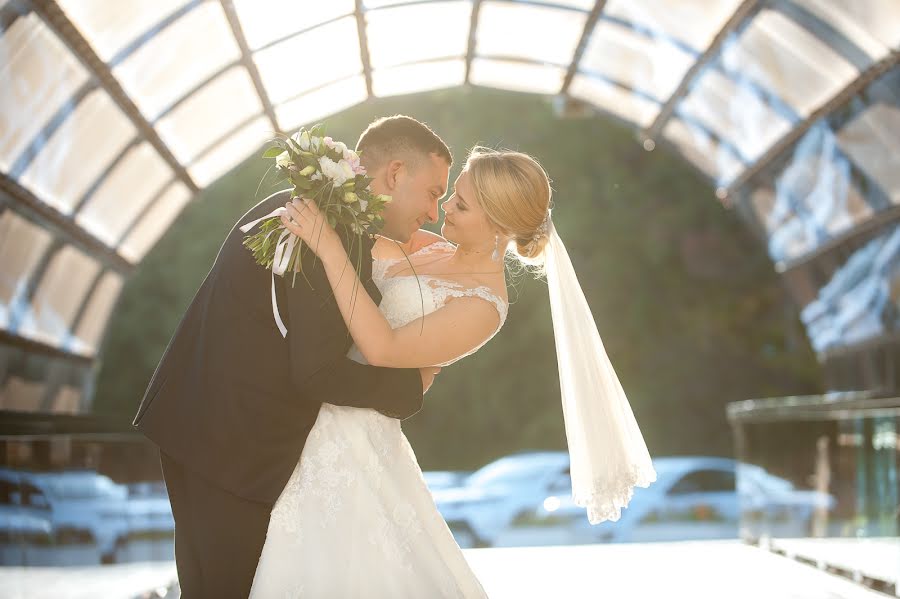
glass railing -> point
(819, 481)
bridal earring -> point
(496, 255)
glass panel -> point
(517, 76)
(698, 147)
(38, 75)
(300, 55)
(265, 22)
(872, 141)
(819, 482)
(154, 222)
(178, 58)
(873, 25)
(652, 66)
(417, 43)
(138, 176)
(209, 114)
(110, 26)
(226, 154)
(789, 61)
(693, 22)
(614, 99)
(531, 39)
(814, 197)
(93, 321)
(59, 295)
(21, 246)
(736, 112)
(314, 106)
(73, 158)
(418, 77)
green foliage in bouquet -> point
(329, 173)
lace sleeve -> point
(444, 290)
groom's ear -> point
(392, 172)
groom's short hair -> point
(399, 137)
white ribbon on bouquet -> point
(284, 248)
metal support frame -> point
(592, 19)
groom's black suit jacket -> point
(232, 400)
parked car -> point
(438, 480)
(85, 501)
(497, 493)
(149, 511)
(694, 497)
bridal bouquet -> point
(329, 173)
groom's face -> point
(416, 190)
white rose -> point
(340, 147)
(302, 138)
(283, 160)
(339, 172)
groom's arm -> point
(319, 341)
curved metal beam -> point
(51, 13)
(582, 44)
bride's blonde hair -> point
(514, 191)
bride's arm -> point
(439, 337)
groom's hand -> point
(428, 375)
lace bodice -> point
(408, 297)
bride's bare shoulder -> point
(388, 249)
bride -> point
(356, 518)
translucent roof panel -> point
(22, 244)
(856, 303)
(111, 26)
(866, 23)
(38, 77)
(209, 114)
(517, 76)
(614, 99)
(275, 62)
(698, 146)
(118, 201)
(117, 148)
(226, 153)
(323, 102)
(872, 141)
(75, 156)
(58, 296)
(736, 112)
(650, 65)
(387, 48)
(156, 219)
(786, 59)
(812, 198)
(418, 77)
(692, 22)
(177, 58)
(531, 23)
(89, 329)
(282, 18)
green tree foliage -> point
(686, 300)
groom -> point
(231, 402)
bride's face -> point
(465, 222)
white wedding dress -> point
(356, 518)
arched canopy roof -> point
(114, 114)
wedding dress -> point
(356, 518)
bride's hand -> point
(304, 219)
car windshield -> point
(510, 471)
(81, 486)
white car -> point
(438, 480)
(496, 494)
(694, 497)
(82, 502)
